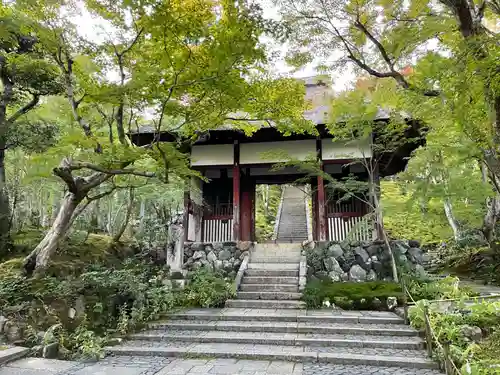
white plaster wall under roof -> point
(202, 155)
(334, 150)
(262, 152)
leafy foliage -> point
(267, 204)
(113, 294)
(208, 289)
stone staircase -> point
(347, 338)
(292, 226)
(271, 279)
(268, 322)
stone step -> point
(11, 354)
(347, 356)
(269, 295)
(246, 287)
(287, 339)
(276, 259)
(263, 304)
(270, 280)
(289, 327)
(273, 266)
(297, 316)
(271, 273)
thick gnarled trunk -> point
(40, 256)
(491, 217)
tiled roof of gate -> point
(319, 95)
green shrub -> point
(448, 326)
(208, 289)
(350, 295)
(447, 288)
(118, 300)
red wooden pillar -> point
(246, 209)
(254, 188)
(236, 192)
(321, 208)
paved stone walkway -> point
(178, 366)
(332, 369)
(151, 366)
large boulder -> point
(346, 263)
(211, 257)
(51, 351)
(331, 264)
(356, 273)
(3, 320)
(188, 250)
(373, 249)
(392, 303)
(361, 253)
(12, 331)
(334, 276)
(225, 255)
(400, 247)
(335, 250)
(371, 276)
(415, 254)
(218, 247)
(199, 254)
(227, 265)
(205, 263)
(471, 333)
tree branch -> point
(111, 172)
(25, 109)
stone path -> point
(293, 222)
(271, 279)
(178, 366)
(234, 341)
(348, 338)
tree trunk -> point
(5, 241)
(490, 218)
(381, 231)
(124, 225)
(39, 258)
(448, 210)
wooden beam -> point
(236, 192)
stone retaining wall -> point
(361, 261)
(223, 256)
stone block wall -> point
(222, 256)
(361, 261)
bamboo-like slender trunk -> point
(455, 227)
(126, 220)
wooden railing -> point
(348, 219)
(431, 339)
(344, 225)
(218, 223)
